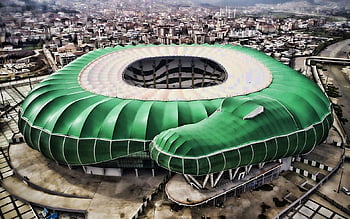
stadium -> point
(210, 113)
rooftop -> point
(245, 74)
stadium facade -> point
(195, 110)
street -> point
(339, 50)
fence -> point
(147, 200)
(313, 163)
(304, 197)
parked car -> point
(345, 190)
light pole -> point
(341, 175)
(2, 97)
(30, 84)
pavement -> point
(180, 191)
(341, 178)
(339, 50)
(13, 208)
(330, 155)
(20, 190)
(327, 205)
(313, 209)
(248, 205)
(326, 154)
(54, 186)
(120, 197)
(48, 175)
(50, 59)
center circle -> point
(174, 72)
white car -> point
(345, 190)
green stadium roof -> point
(76, 126)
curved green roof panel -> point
(245, 109)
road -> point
(339, 50)
(50, 59)
(37, 53)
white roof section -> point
(257, 111)
(245, 74)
